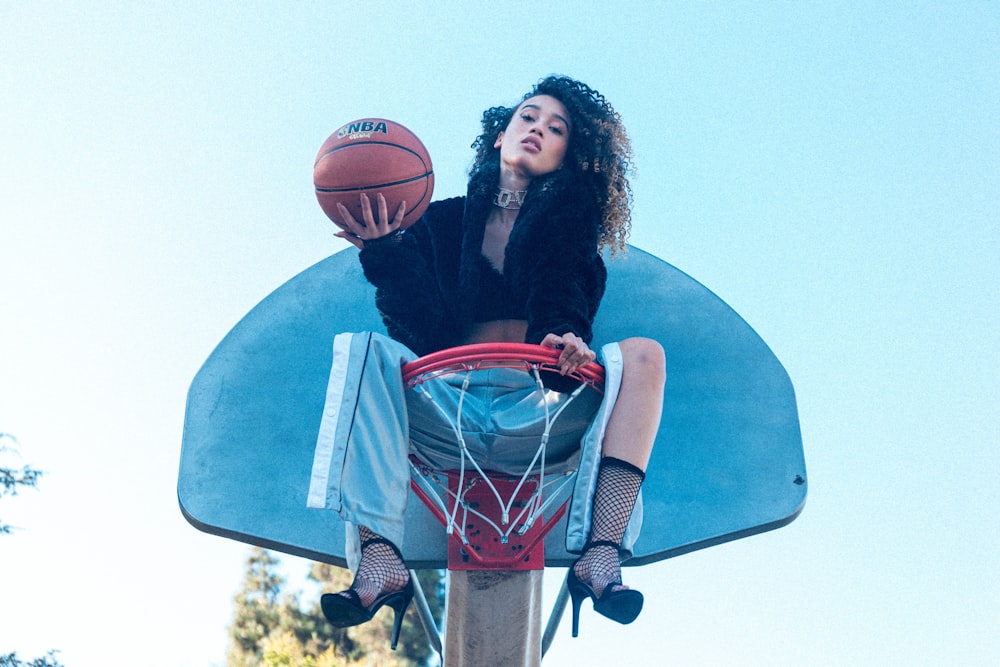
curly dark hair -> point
(598, 147)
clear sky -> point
(831, 170)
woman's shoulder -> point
(564, 206)
(443, 209)
(564, 183)
(565, 193)
(440, 216)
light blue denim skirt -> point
(372, 423)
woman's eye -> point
(527, 117)
(557, 130)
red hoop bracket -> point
(484, 549)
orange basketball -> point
(371, 156)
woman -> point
(517, 260)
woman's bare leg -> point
(627, 445)
(636, 415)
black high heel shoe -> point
(622, 605)
(344, 610)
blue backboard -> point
(728, 459)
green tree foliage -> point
(12, 479)
(256, 613)
(11, 660)
(271, 628)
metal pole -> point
(494, 618)
(424, 612)
(556, 616)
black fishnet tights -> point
(380, 571)
(618, 485)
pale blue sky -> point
(831, 170)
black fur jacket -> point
(427, 277)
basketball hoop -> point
(467, 501)
(482, 356)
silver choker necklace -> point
(510, 199)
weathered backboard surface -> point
(728, 460)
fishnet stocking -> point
(618, 485)
(380, 571)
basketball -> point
(372, 156)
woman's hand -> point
(575, 352)
(369, 228)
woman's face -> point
(536, 138)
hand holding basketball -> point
(371, 227)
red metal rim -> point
(482, 356)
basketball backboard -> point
(728, 460)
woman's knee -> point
(646, 356)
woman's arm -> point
(401, 265)
(560, 269)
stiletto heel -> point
(344, 609)
(577, 591)
(399, 611)
(622, 605)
